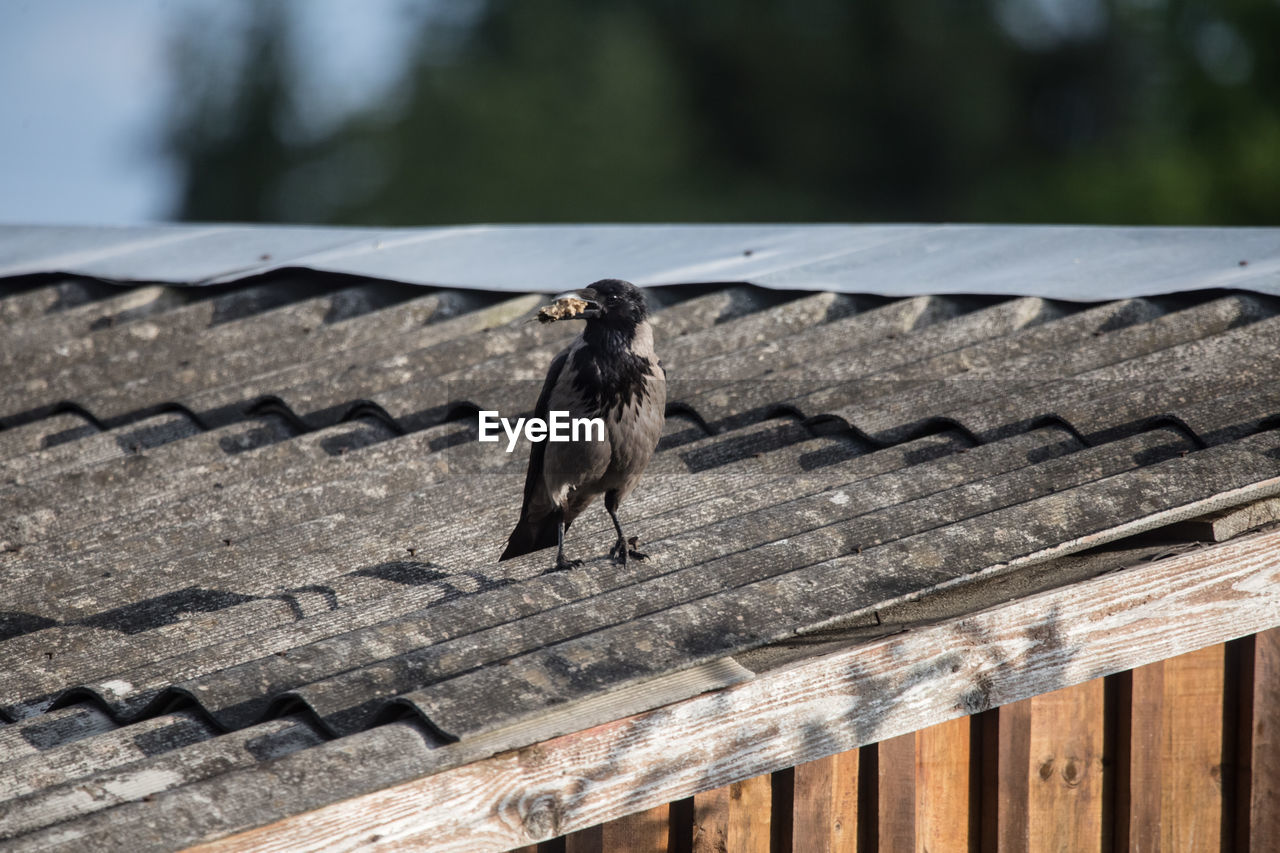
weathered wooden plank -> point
(1192, 806)
(589, 840)
(866, 693)
(750, 818)
(1264, 814)
(649, 830)
(1140, 717)
(1006, 780)
(825, 814)
(944, 816)
(897, 794)
(711, 820)
(1221, 526)
(1066, 771)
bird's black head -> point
(608, 304)
(614, 302)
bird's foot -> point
(564, 565)
(624, 549)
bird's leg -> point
(620, 551)
(561, 562)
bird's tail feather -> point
(531, 535)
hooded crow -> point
(611, 372)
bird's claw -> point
(621, 552)
(563, 565)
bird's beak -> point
(576, 305)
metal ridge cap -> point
(1080, 262)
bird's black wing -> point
(530, 533)
(541, 410)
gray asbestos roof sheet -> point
(248, 537)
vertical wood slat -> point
(643, 832)
(1191, 806)
(711, 821)
(943, 795)
(1264, 794)
(1066, 791)
(589, 840)
(737, 817)
(1006, 760)
(825, 816)
(896, 811)
(923, 790)
(750, 815)
(1138, 786)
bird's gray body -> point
(575, 473)
(610, 372)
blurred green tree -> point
(227, 127)
(1139, 111)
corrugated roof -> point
(1071, 262)
(249, 538)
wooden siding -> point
(1176, 755)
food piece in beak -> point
(564, 308)
(579, 305)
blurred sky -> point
(84, 83)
